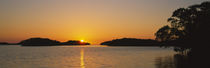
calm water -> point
(82, 57)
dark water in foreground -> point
(84, 57)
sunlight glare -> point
(81, 40)
(82, 64)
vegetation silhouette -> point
(188, 26)
(189, 31)
(130, 42)
(48, 42)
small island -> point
(49, 42)
(4, 43)
(75, 42)
(131, 42)
(39, 42)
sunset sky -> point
(93, 21)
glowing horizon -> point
(93, 21)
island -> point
(4, 43)
(75, 42)
(48, 42)
(131, 42)
(39, 42)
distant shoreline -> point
(83, 45)
(116, 42)
(131, 42)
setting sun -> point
(81, 40)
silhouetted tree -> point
(189, 26)
(165, 34)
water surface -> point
(81, 56)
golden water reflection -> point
(82, 64)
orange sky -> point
(94, 21)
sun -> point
(81, 40)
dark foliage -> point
(189, 31)
(189, 26)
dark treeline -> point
(130, 42)
(189, 33)
(47, 42)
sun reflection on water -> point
(82, 64)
